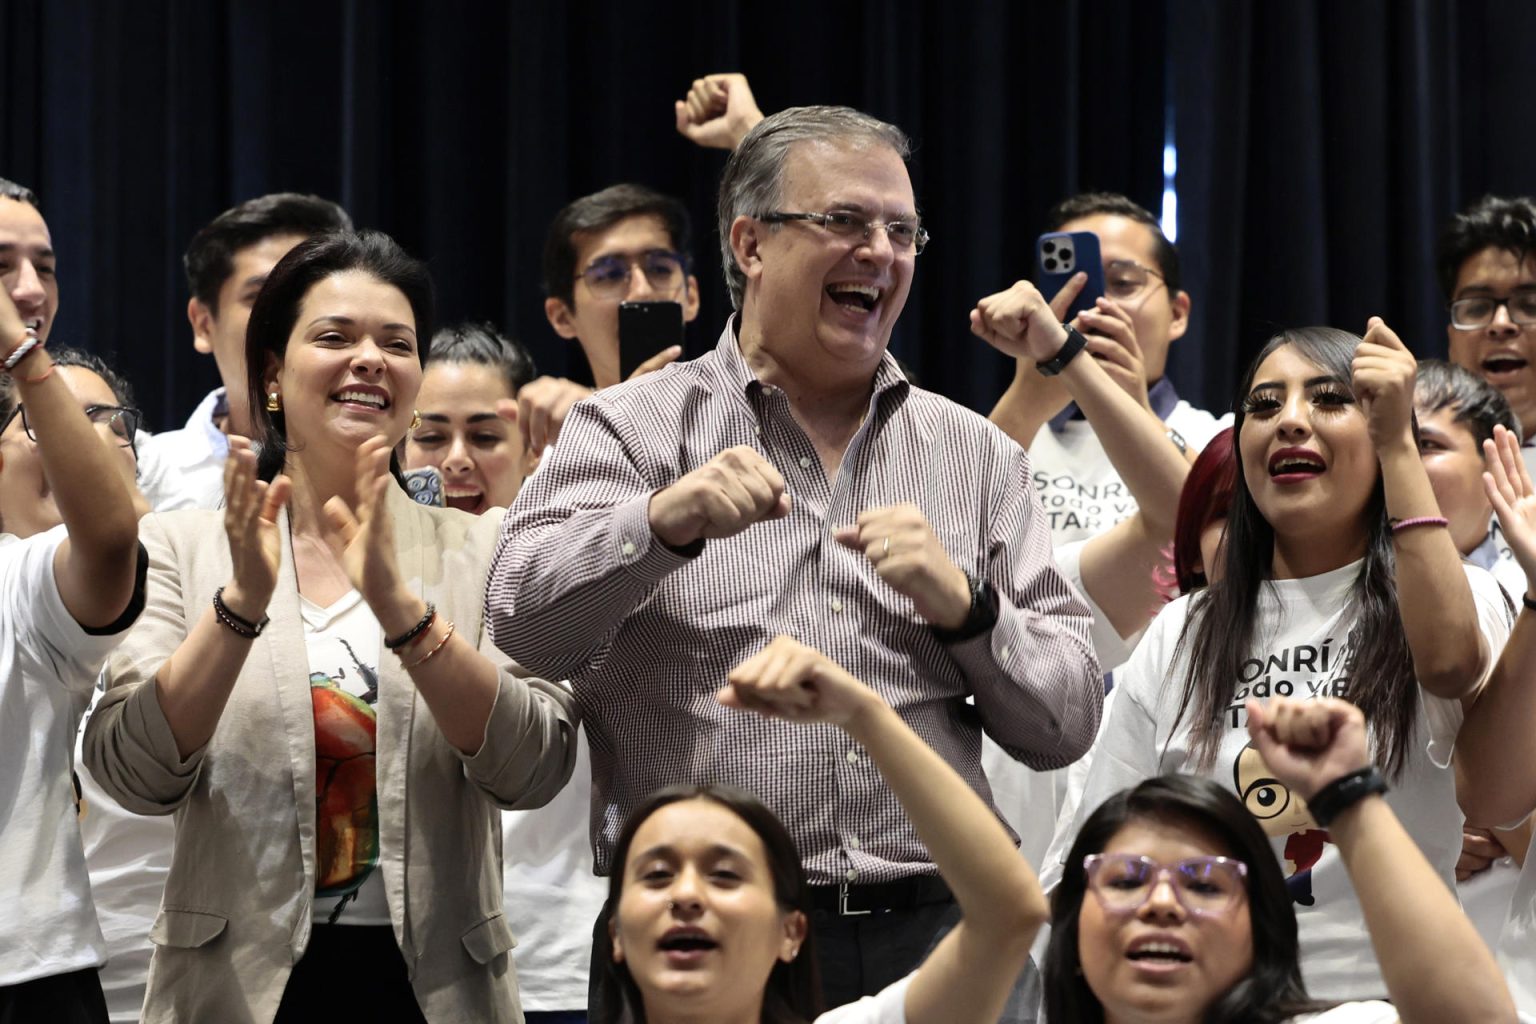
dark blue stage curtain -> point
(1320, 145)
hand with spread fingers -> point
(1509, 489)
(727, 494)
(250, 522)
(363, 539)
(718, 111)
(787, 679)
(900, 543)
(1309, 743)
(1383, 379)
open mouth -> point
(1294, 464)
(464, 499)
(861, 298)
(1159, 953)
(34, 324)
(363, 396)
(1498, 365)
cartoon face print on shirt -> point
(1280, 812)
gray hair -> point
(752, 183)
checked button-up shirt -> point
(580, 588)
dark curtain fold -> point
(1321, 145)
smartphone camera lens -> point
(1048, 247)
(1049, 264)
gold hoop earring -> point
(415, 418)
(274, 402)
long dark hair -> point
(277, 309)
(1272, 991)
(1220, 634)
(793, 994)
(1206, 497)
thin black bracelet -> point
(1333, 799)
(415, 631)
(236, 624)
(1526, 600)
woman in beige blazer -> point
(311, 692)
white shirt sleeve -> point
(887, 1007)
(1372, 1012)
(1108, 644)
(33, 612)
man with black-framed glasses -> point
(626, 243)
(1487, 268)
(792, 481)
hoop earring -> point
(415, 418)
(274, 402)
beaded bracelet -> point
(1398, 525)
(238, 625)
(428, 656)
(406, 638)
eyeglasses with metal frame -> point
(1477, 311)
(121, 421)
(1206, 886)
(903, 235)
(609, 276)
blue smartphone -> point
(425, 486)
(1059, 255)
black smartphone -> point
(645, 328)
(1060, 254)
(425, 486)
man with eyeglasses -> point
(626, 243)
(793, 482)
(1487, 268)
(71, 584)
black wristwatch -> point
(1331, 801)
(981, 617)
(1074, 344)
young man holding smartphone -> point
(626, 243)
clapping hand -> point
(363, 539)
(250, 522)
(1514, 499)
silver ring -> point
(885, 549)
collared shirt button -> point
(851, 875)
(853, 757)
(805, 462)
(837, 604)
(853, 841)
(628, 547)
(1006, 652)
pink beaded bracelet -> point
(1399, 525)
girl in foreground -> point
(708, 909)
(1190, 920)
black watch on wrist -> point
(1074, 344)
(1346, 790)
(981, 617)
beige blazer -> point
(237, 905)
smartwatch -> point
(981, 617)
(1074, 344)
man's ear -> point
(745, 238)
(560, 317)
(1180, 322)
(201, 319)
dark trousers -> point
(860, 955)
(350, 972)
(73, 998)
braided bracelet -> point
(238, 625)
(428, 656)
(20, 352)
(410, 635)
(1399, 525)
